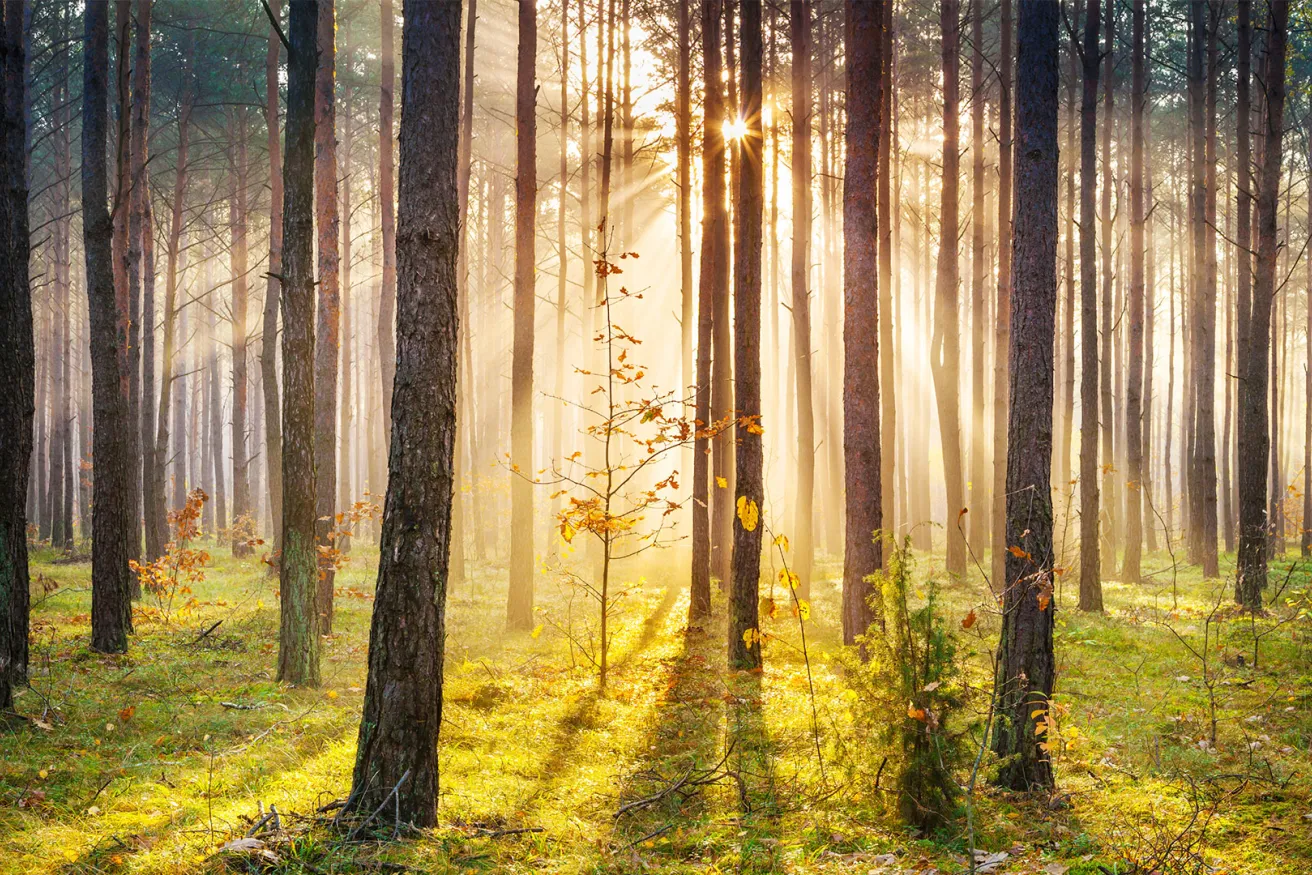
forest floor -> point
(150, 762)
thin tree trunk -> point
(298, 638)
(241, 489)
(722, 381)
(272, 291)
(1090, 572)
(863, 555)
(744, 649)
(1134, 391)
(683, 137)
(344, 458)
(800, 27)
(1111, 499)
(519, 603)
(1026, 663)
(387, 295)
(978, 522)
(1002, 341)
(403, 694)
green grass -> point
(139, 763)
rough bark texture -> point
(863, 553)
(1254, 437)
(329, 311)
(800, 27)
(1090, 571)
(111, 586)
(714, 278)
(1026, 666)
(18, 363)
(748, 460)
(519, 603)
(945, 343)
(397, 748)
(298, 638)
(1133, 395)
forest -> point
(656, 436)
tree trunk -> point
(722, 382)
(1111, 499)
(1026, 664)
(18, 364)
(1133, 395)
(945, 344)
(1253, 435)
(519, 604)
(397, 749)
(111, 605)
(800, 27)
(713, 283)
(1090, 572)
(863, 553)
(1065, 481)
(683, 136)
(269, 331)
(298, 638)
(329, 311)
(61, 479)
(345, 495)
(978, 501)
(745, 652)
(241, 490)
(888, 433)
(1002, 335)
(387, 296)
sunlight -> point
(735, 129)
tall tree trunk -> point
(1026, 664)
(1133, 395)
(111, 586)
(403, 694)
(863, 554)
(241, 489)
(945, 344)
(722, 382)
(888, 433)
(800, 27)
(344, 458)
(387, 294)
(1065, 481)
(61, 481)
(519, 603)
(1090, 572)
(1002, 335)
(745, 652)
(329, 311)
(713, 283)
(978, 522)
(562, 274)
(18, 364)
(272, 291)
(298, 637)
(683, 122)
(1254, 440)
(466, 446)
(1111, 499)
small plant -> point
(174, 573)
(331, 555)
(912, 693)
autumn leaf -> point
(968, 620)
(1045, 598)
(721, 482)
(126, 714)
(781, 541)
(537, 631)
(1018, 552)
(803, 609)
(916, 713)
(768, 608)
(748, 513)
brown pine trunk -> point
(748, 462)
(329, 310)
(298, 638)
(111, 586)
(18, 363)
(945, 344)
(397, 749)
(888, 433)
(800, 28)
(863, 554)
(241, 489)
(712, 285)
(1134, 391)
(722, 381)
(683, 121)
(344, 458)
(519, 603)
(387, 293)
(1090, 572)
(1002, 335)
(1067, 425)
(978, 500)
(1111, 499)
(1026, 664)
(61, 478)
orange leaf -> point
(1017, 552)
(1044, 599)
(126, 714)
(968, 621)
(916, 713)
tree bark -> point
(298, 639)
(945, 343)
(800, 27)
(1026, 664)
(1002, 335)
(111, 587)
(269, 331)
(387, 294)
(713, 283)
(978, 527)
(18, 363)
(241, 488)
(683, 121)
(722, 382)
(1090, 571)
(863, 554)
(397, 749)
(329, 311)
(1134, 390)
(1111, 498)
(748, 460)
(888, 433)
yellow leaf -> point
(748, 513)
(537, 631)
(804, 608)
(781, 541)
(721, 482)
(567, 531)
(767, 607)
(332, 694)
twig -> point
(381, 805)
